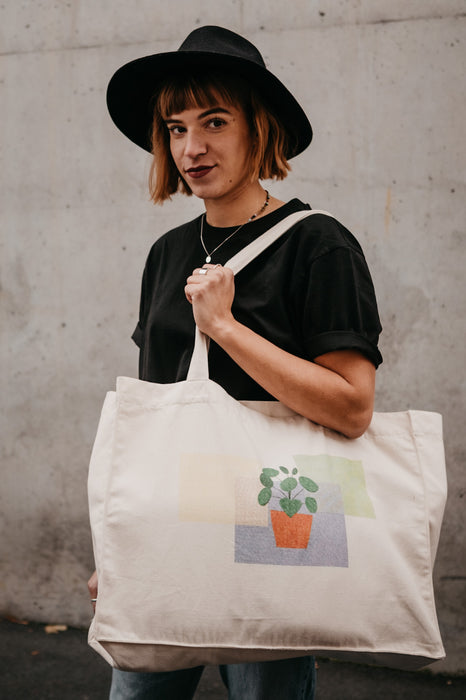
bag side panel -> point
(99, 473)
(427, 434)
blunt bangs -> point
(189, 92)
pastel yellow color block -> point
(208, 487)
(248, 510)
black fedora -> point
(132, 88)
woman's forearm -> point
(335, 391)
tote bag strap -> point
(199, 366)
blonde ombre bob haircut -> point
(269, 143)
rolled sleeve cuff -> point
(138, 336)
(343, 340)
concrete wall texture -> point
(383, 82)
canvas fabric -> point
(228, 532)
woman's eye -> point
(176, 130)
(216, 122)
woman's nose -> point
(195, 144)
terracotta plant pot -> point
(291, 533)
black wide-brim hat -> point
(131, 91)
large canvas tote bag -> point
(226, 532)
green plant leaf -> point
(266, 481)
(311, 504)
(308, 484)
(290, 506)
(270, 472)
(295, 471)
(284, 470)
(264, 497)
(288, 484)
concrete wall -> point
(383, 84)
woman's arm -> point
(335, 390)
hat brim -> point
(131, 91)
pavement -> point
(39, 662)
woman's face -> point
(210, 147)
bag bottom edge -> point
(164, 657)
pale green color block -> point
(348, 474)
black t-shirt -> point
(309, 293)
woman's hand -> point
(92, 586)
(211, 290)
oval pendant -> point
(208, 259)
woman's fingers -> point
(92, 586)
(205, 275)
(204, 270)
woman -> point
(300, 322)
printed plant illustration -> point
(289, 488)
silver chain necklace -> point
(254, 216)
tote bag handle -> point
(199, 365)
